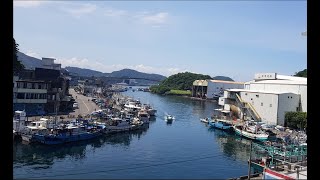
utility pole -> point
(249, 171)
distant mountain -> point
(84, 72)
(28, 61)
(136, 74)
(222, 78)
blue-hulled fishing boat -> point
(220, 124)
(66, 135)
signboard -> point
(262, 76)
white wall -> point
(284, 88)
(268, 114)
(287, 102)
(215, 87)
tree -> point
(296, 120)
(302, 73)
(17, 66)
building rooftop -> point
(257, 91)
(228, 82)
(281, 79)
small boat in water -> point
(220, 124)
(204, 120)
(169, 117)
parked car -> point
(75, 105)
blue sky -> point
(231, 38)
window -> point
(257, 95)
(20, 96)
(28, 96)
(291, 97)
(251, 99)
(32, 85)
(18, 84)
(29, 85)
(25, 85)
(261, 104)
(39, 86)
(246, 94)
(288, 96)
(270, 105)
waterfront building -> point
(29, 95)
(282, 84)
(42, 90)
(211, 89)
(267, 98)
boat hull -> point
(220, 125)
(260, 137)
(63, 138)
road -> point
(85, 106)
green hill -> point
(180, 81)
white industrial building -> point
(268, 97)
(281, 84)
(213, 88)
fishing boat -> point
(220, 124)
(204, 120)
(151, 111)
(66, 134)
(119, 125)
(144, 116)
(169, 117)
(243, 130)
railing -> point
(249, 108)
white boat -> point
(243, 131)
(204, 120)
(149, 109)
(119, 125)
(169, 117)
(144, 116)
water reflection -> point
(43, 156)
(232, 145)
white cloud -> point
(33, 54)
(27, 4)
(115, 12)
(80, 10)
(153, 19)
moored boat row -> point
(47, 131)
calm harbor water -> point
(184, 149)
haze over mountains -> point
(31, 63)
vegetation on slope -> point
(179, 92)
(180, 81)
(302, 73)
(17, 66)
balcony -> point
(31, 101)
